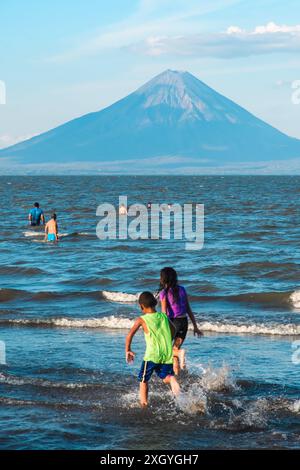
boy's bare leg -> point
(171, 380)
(144, 394)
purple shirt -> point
(175, 308)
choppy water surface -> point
(65, 310)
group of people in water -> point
(36, 217)
(165, 331)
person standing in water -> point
(158, 356)
(175, 303)
(122, 210)
(51, 229)
(36, 215)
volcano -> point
(173, 121)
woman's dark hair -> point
(168, 280)
(147, 299)
(53, 216)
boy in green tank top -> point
(158, 357)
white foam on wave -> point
(295, 299)
(123, 323)
(289, 329)
(33, 233)
(111, 322)
(120, 296)
(113, 296)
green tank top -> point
(158, 340)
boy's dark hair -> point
(53, 216)
(147, 299)
(36, 204)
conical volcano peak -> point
(188, 96)
(175, 89)
(169, 78)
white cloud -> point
(275, 28)
(234, 42)
(234, 30)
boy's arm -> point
(128, 353)
(193, 320)
(56, 230)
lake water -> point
(66, 309)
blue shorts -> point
(148, 367)
(51, 237)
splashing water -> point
(218, 379)
(193, 400)
(254, 416)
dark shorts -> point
(181, 327)
(148, 367)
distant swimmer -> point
(122, 209)
(51, 230)
(158, 356)
(36, 215)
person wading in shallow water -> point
(158, 356)
(51, 230)
(36, 215)
(175, 303)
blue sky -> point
(62, 59)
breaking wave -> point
(271, 298)
(295, 299)
(120, 296)
(123, 323)
(38, 233)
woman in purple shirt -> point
(175, 303)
